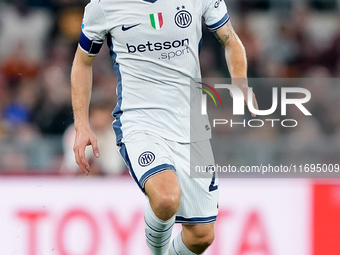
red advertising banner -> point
(326, 219)
(90, 216)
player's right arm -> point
(81, 82)
(94, 30)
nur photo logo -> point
(294, 96)
(204, 96)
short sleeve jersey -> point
(154, 45)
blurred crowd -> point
(38, 38)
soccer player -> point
(155, 46)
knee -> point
(198, 237)
(166, 203)
(202, 242)
(164, 193)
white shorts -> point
(147, 154)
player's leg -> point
(194, 239)
(199, 201)
(164, 197)
(150, 163)
(164, 194)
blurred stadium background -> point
(45, 203)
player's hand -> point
(244, 89)
(241, 84)
(84, 137)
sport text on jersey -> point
(173, 49)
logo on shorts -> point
(217, 3)
(146, 158)
(183, 18)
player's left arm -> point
(235, 55)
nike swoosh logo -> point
(124, 28)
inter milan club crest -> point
(146, 158)
(156, 20)
(183, 18)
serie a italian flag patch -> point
(156, 20)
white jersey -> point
(155, 46)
